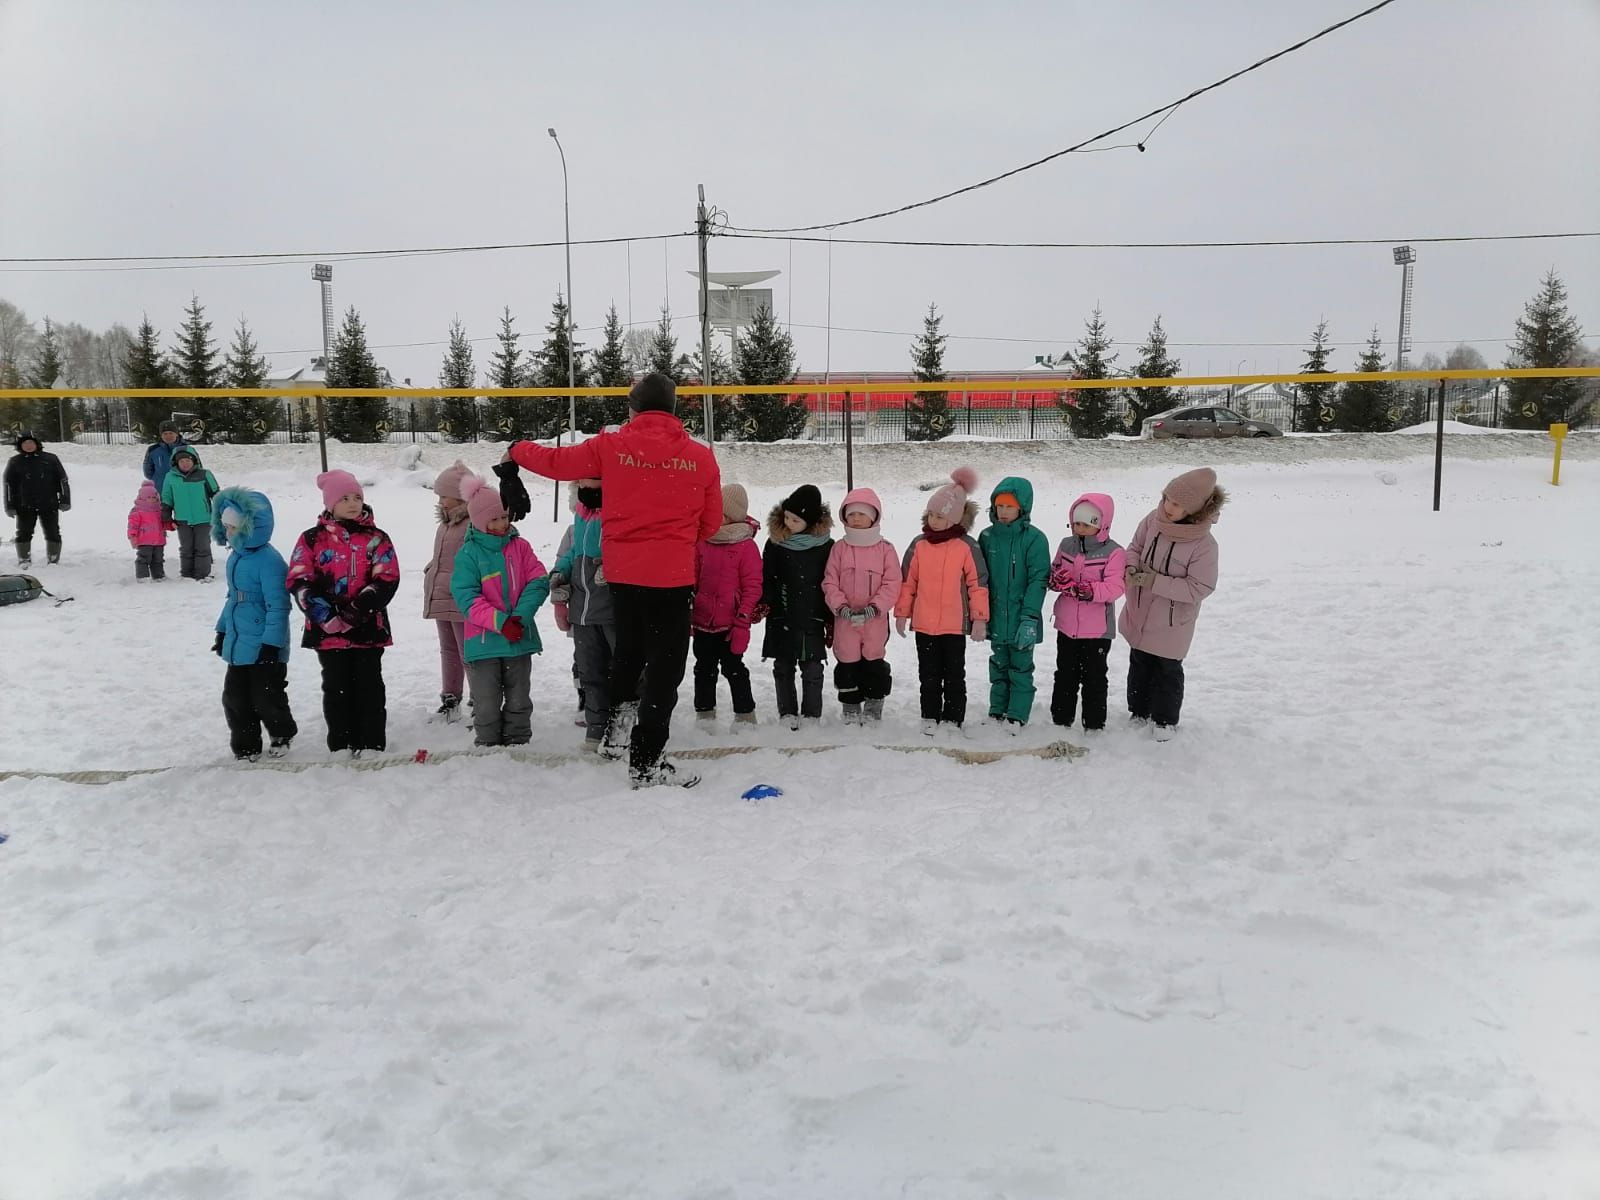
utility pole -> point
(702, 225)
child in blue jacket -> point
(253, 630)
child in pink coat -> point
(147, 534)
(726, 591)
(1087, 571)
(861, 585)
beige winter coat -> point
(437, 603)
(1160, 619)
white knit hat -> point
(1086, 514)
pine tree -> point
(1547, 336)
(1154, 363)
(457, 371)
(550, 370)
(928, 413)
(609, 368)
(250, 418)
(766, 355)
(1090, 409)
(506, 417)
(351, 365)
(145, 367)
(193, 363)
(1371, 407)
(664, 358)
(1314, 413)
(44, 417)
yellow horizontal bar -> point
(834, 388)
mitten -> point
(513, 494)
(267, 654)
(739, 639)
(1060, 578)
(980, 630)
(318, 608)
(844, 612)
(600, 576)
(760, 613)
(1083, 590)
(216, 646)
(368, 600)
(169, 525)
(870, 611)
(65, 505)
(900, 626)
(858, 618)
(512, 629)
(1139, 575)
(1028, 633)
(10, 512)
(563, 621)
(561, 594)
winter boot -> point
(249, 756)
(708, 715)
(852, 714)
(739, 719)
(791, 722)
(449, 710)
(279, 748)
(619, 730)
(24, 554)
(52, 552)
(1163, 733)
(929, 727)
(592, 745)
(663, 774)
(872, 711)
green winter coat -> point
(186, 497)
(496, 578)
(1018, 557)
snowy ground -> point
(1339, 939)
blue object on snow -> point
(763, 791)
(3, 837)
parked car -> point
(1207, 422)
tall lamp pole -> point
(572, 354)
(323, 274)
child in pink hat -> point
(861, 585)
(1172, 568)
(147, 534)
(342, 575)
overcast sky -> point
(165, 127)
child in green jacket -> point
(1018, 558)
(186, 494)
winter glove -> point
(10, 512)
(561, 595)
(216, 646)
(845, 612)
(1083, 590)
(513, 494)
(739, 639)
(169, 525)
(512, 629)
(318, 608)
(900, 626)
(1139, 575)
(760, 613)
(858, 618)
(1060, 579)
(600, 576)
(980, 630)
(1028, 633)
(64, 506)
(563, 620)
(267, 654)
(870, 611)
(368, 600)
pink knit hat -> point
(483, 502)
(336, 485)
(1192, 489)
(950, 500)
(448, 485)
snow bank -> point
(1338, 939)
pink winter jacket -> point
(856, 577)
(1098, 561)
(1160, 619)
(437, 602)
(727, 582)
(145, 528)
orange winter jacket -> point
(946, 584)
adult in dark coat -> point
(36, 493)
(158, 458)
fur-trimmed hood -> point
(255, 525)
(821, 527)
(450, 518)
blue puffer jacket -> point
(158, 460)
(256, 612)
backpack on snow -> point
(18, 589)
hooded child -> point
(147, 534)
(1088, 572)
(583, 607)
(799, 625)
(728, 585)
(438, 605)
(186, 494)
(1017, 557)
(861, 585)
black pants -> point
(353, 699)
(150, 562)
(808, 701)
(194, 550)
(254, 696)
(593, 647)
(864, 679)
(1155, 687)
(942, 672)
(1080, 663)
(652, 651)
(712, 654)
(50, 518)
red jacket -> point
(663, 495)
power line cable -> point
(1237, 245)
(1080, 146)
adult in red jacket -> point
(663, 496)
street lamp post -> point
(572, 366)
(323, 274)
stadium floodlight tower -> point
(323, 274)
(1405, 258)
(726, 308)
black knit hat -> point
(167, 427)
(654, 393)
(805, 502)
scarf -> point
(935, 537)
(863, 537)
(733, 531)
(1181, 531)
(803, 541)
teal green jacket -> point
(1018, 557)
(186, 497)
(496, 578)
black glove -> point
(512, 494)
(367, 600)
(64, 506)
(268, 654)
(216, 646)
